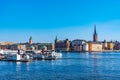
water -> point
(73, 66)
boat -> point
(18, 57)
(47, 55)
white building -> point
(78, 42)
(85, 47)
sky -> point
(46, 19)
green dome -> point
(30, 37)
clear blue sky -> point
(44, 19)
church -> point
(95, 45)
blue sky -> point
(44, 19)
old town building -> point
(77, 44)
(110, 45)
(62, 45)
(92, 46)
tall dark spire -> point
(95, 36)
(95, 33)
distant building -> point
(30, 40)
(13, 47)
(92, 46)
(77, 44)
(116, 45)
(104, 44)
(49, 46)
(62, 45)
(110, 45)
(85, 47)
(78, 48)
(7, 43)
(21, 47)
(95, 45)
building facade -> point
(110, 45)
(78, 48)
(94, 46)
(85, 47)
(77, 44)
(62, 45)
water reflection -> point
(95, 67)
(56, 62)
(18, 66)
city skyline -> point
(43, 20)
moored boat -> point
(47, 55)
(17, 57)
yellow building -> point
(92, 46)
(110, 45)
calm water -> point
(73, 66)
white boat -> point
(47, 55)
(17, 57)
(58, 55)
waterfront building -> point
(116, 45)
(78, 48)
(77, 44)
(85, 47)
(13, 47)
(110, 45)
(93, 46)
(62, 45)
(104, 44)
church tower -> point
(56, 39)
(30, 40)
(95, 36)
(56, 45)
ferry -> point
(18, 57)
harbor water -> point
(72, 66)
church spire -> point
(95, 36)
(30, 40)
(95, 30)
